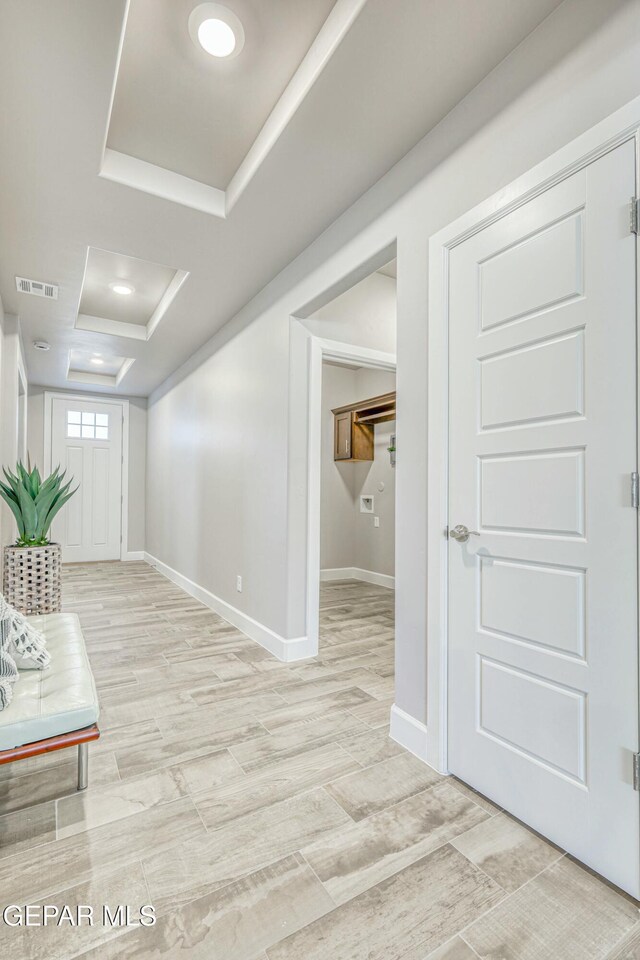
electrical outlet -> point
(376, 521)
(239, 583)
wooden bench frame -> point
(79, 738)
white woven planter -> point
(32, 580)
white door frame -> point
(49, 397)
(320, 350)
(22, 407)
(610, 133)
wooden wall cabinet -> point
(354, 436)
(353, 441)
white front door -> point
(543, 601)
(86, 440)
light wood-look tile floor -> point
(263, 810)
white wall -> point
(10, 363)
(375, 546)
(227, 439)
(137, 453)
(217, 473)
(365, 315)
(349, 538)
(338, 481)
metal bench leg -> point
(83, 765)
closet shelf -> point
(375, 410)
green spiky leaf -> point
(34, 502)
(57, 505)
(12, 501)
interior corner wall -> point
(363, 316)
(9, 408)
(228, 447)
(217, 473)
(137, 453)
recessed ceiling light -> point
(123, 289)
(41, 345)
(217, 38)
(97, 360)
(216, 30)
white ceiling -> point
(390, 269)
(393, 73)
(179, 108)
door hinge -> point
(635, 489)
(636, 771)
(634, 216)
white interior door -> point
(86, 440)
(543, 645)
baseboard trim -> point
(133, 555)
(298, 648)
(356, 573)
(338, 573)
(408, 732)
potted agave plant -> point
(32, 566)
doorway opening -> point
(352, 456)
(88, 438)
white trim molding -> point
(133, 555)
(285, 650)
(409, 733)
(22, 408)
(356, 573)
(159, 182)
(156, 180)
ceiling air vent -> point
(37, 288)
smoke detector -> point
(41, 345)
(37, 288)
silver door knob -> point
(462, 533)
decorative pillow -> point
(8, 669)
(25, 645)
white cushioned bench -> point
(56, 707)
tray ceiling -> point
(97, 367)
(149, 282)
(398, 74)
(185, 111)
(149, 291)
(194, 128)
